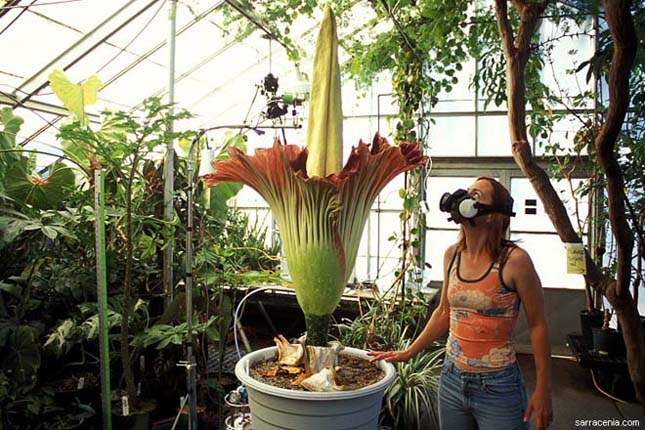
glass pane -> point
(550, 260)
(35, 41)
(104, 61)
(493, 138)
(452, 136)
(9, 82)
(437, 241)
(566, 55)
(389, 197)
(85, 15)
(563, 135)
(530, 211)
(461, 98)
(33, 121)
(137, 84)
(355, 130)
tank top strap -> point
(507, 252)
(508, 249)
(452, 266)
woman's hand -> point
(390, 356)
(540, 403)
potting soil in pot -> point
(353, 373)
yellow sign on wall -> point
(576, 260)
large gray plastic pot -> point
(279, 408)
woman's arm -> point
(435, 328)
(520, 273)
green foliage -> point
(412, 399)
(163, 335)
(69, 333)
(47, 224)
(11, 125)
(236, 253)
(629, 144)
(20, 405)
(19, 355)
(40, 193)
(47, 247)
(68, 416)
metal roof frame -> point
(82, 47)
(156, 48)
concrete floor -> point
(576, 398)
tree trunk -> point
(516, 52)
(621, 26)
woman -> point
(486, 279)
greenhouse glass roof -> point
(125, 43)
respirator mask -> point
(462, 207)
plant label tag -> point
(576, 260)
(81, 383)
(125, 406)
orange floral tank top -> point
(483, 313)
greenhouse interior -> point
(308, 215)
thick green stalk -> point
(317, 329)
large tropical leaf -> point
(40, 193)
(75, 97)
(216, 198)
(11, 125)
(20, 355)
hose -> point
(237, 309)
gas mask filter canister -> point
(462, 207)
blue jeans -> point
(493, 400)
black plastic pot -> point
(589, 320)
(608, 341)
(67, 391)
(137, 420)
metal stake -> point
(101, 293)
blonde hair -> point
(496, 240)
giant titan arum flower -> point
(321, 211)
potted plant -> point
(411, 400)
(321, 210)
(606, 340)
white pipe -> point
(237, 309)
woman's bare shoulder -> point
(519, 257)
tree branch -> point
(621, 26)
(501, 10)
(529, 22)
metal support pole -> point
(101, 293)
(267, 318)
(169, 173)
(191, 382)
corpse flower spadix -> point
(320, 215)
